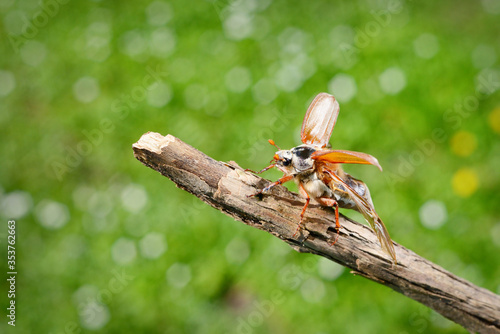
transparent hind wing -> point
(368, 212)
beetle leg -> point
(304, 193)
(262, 170)
(330, 202)
(282, 180)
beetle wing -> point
(368, 212)
(319, 120)
(345, 157)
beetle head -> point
(283, 159)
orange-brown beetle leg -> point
(280, 181)
(330, 202)
(308, 199)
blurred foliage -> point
(106, 245)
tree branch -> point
(226, 187)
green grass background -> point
(87, 223)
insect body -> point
(319, 175)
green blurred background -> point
(107, 245)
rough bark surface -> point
(225, 186)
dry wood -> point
(226, 187)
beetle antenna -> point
(272, 143)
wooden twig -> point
(226, 187)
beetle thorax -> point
(297, 160)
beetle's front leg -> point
(282, 180)
(262, 170)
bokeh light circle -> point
(433, 214)
(392, 80)
(343, 87)
(86, 89)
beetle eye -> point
(286, 162)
